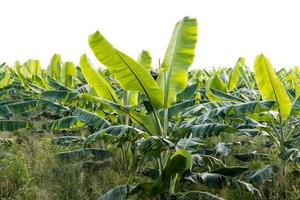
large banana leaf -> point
(219, 85)
(18, 69)
(145, 59)
(13, 125)
(25, 72)
(17, 107)
(145, 121)
(265, 173)
(213, 110)
(178, 58)
(33, 66)
(219, 181)
(96, 81)
(230, 171)
(53, 106)
(32, 72)
(118, 193)
(188, 92)
(64, 123)
(118, 132)
(245, 77)
(237, 110)
(234, 76)
(67, 72)
(131, 75)
(207, 161)
(180, 107)
(250, 156)
(224, 96)
(85, 153)
(55, 84)
(54, 67)
(5, 78)
(205, 107)
(91, 118)
(60, 96)
(270, 86)
(68, 140)
(211, 129)
(292, 79)
(179, 162)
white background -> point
(227, 29)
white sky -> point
(226, 29)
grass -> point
(30, 170)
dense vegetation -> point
(137, 132)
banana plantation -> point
(130, 128)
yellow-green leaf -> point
(269, 85)
(96, 81)
(5, 78)
(67, 72)
(54, 67)
(17, 68)
(178, 58)
(216, 83)
(234, 77)
(131, 75)
(145, 59)
(33, 66)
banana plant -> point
(271, 88)
(5, 79)
(179, 56)
(68, 71)
(131, 75)
(169, 125)
(54, 68)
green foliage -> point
(67, 73)
(133, 132)
(270, 86)
(13, 125)
(178, 58)
(96, 81)
(131, 75)
(54, 67)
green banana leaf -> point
(65, 123)
(118, 193)
(5, 78)
(270, 86)
(33, 66)
(96, 81)
(13, 125)
(67, 73)
(91, 119)
(219, 181)
(234, 76)
(54, 67)
(18, 107)
(85, 153)
(178, 58)
(131, 75)
(145, 59)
